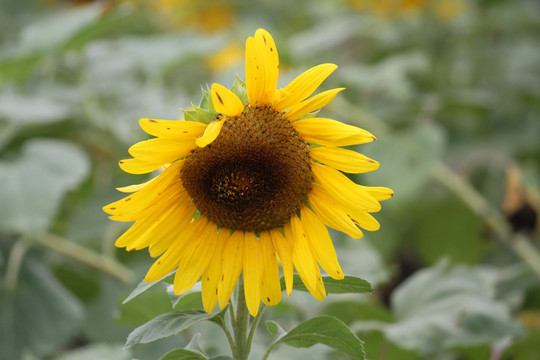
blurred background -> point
(451, 88)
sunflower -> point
(260, 181)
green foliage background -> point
(454, 102)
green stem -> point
(14, 263)
(519, 243)
(230, 339)
(86, 256)
(268, 351)
(241, 322)
(254, 326)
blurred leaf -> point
(58, 27)
(97, 351)
(325, 330)
(39, 316)
(444, 307)
(152, 54)
(353, 310)
(183, 354)
(376, 344)
(525, 348)
(24, 110)
(408, 156)
(348, 285)
(456, 228)
(34, 184)
(166, 325)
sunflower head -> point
(250, 176)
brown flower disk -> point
(254, 176)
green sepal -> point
(239, 88)
(204, 113)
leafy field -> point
(451, 89)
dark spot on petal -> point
(219, 98)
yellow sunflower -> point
(261, 181)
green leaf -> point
(166, 325)
(274, 329)
(28, 206)
(348, 285)
(325, 330)
(183, 354)
(39, 316)
(142, 287)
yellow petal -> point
(321, 243)
(270, 285)
(212, 274)
(210, 134)
(343, 159)
(331, 132)
(284, 250)
(195, 258)
(364, 220)
(347, 193)
(271, 63)
(332, 214)
(225, 101)
(380, 193)
(160, 150)
(138, 166)
(255, 72)
(315, 102)
(148, 228)
(172, 257)
(135, 187)
(231, 266)
(137, 202)
(253, 270)
(303, 258)
(171, 230)
(303, 86)
(172, 129)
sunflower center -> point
(254, 176)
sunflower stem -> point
(241, 323)
(254, 326)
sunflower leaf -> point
(348, 285)
(142, 287)
(166, 325)
(274, 329)
(325, 330)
